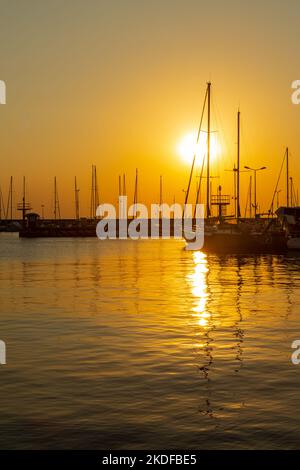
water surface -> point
(126, 344)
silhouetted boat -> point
(243, 238)
(237, 236)
(290, 221)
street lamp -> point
(255, 170)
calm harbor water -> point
(124, 344)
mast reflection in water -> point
(124, 344)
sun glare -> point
(188, 147)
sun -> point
(188, 147)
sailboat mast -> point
(120, 186)
(234, 191)
(208, 152)
(96, 191)
(24, 199)
(287, 179)
(135, 192)
(124, 185)
(250, 198)
(55, 194)
(238, 212)
(76, 200)
(92, 195)
(11, 198)
(56, 201)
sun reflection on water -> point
(198, 280)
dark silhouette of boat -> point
(244, 238)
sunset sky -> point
(119, 84)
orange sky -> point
(118, 84)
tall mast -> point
(135, 191)
(23, 199)
(23, 206)
(96, 190)
(9, 208)
(194, 159)
(55, 197)
(238, 212)
(160, 191)
(124, 185)
(0, 204)
(11, 197)
(76, 200)
(56, 201)
(208, 152)
(287, 179)
(120, 186)
(250, 197)
(94, 193)
(234, 191)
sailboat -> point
(220, 235)
(289, 215)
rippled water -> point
(125, 344)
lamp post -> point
(255, 170)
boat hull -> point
(243, 243)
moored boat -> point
(289, 218)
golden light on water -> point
(188, 147)
(199, 288)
